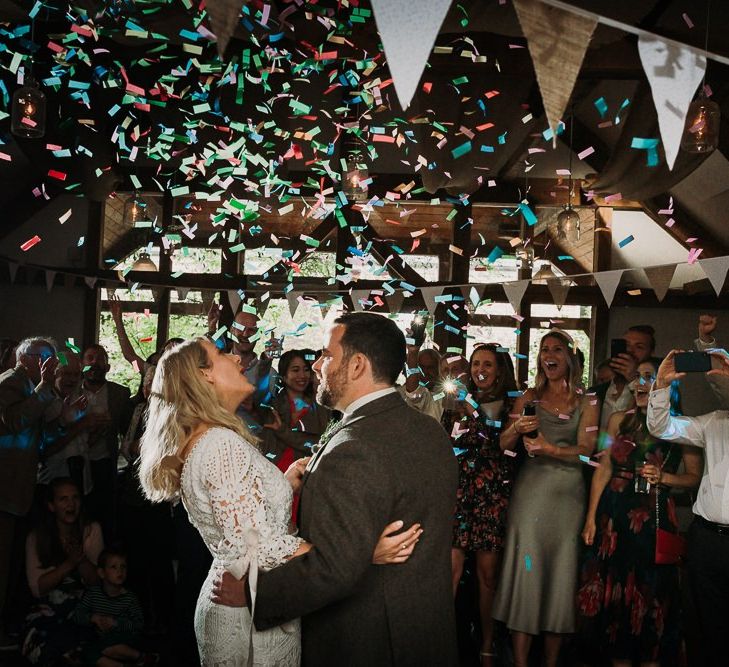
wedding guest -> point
(485, 478)
(538, 583)
(61, 555)
(303, 420)
(707, 557)
(629, 605)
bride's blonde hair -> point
(180, 400)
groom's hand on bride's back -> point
(229, 591)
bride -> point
(196, 447)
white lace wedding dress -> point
(241, 505)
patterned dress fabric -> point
(628, 605)
(485, 479)
(241, 505)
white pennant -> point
(715, 269)
(91, 281)
(234, 299)
(608, 282)
(50, 279)
(429, 294)
(515, 292)
(293, 299)
(674, 72)
(182, 293)
(408, 31)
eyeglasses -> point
(42, 355)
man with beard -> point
(383, 461)
(109, 411)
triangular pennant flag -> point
(208, 296)
(608, 282)
(429, 294)
(182, 293)
(557, 41)
(50, 279)
(13, 270)
(660, 278)
(224, 15)
(234, 299)
(715, 269)
(358, 296)
(91, 282)
(674, 72)
(262, 307)
(408, 35)
(293, 299)
(515, 292)
(394, 301)
(558, 289)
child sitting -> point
(116, 615)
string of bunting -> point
(659, 276)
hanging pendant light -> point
(356, 179)
(701, 132)
(568, 221)
(144, 262)
(544, 274)
(28, 111)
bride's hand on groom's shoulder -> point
(396, 547)
(229, 591)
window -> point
(142, 331)
(197, 260)
(505, 269)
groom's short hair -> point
(377, 338)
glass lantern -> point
(29, 111)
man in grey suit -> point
(383, 461)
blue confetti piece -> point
(528, 214)
(648, 145)
(625, 241)
(528, 563)
(495, 254)
(601, 106)
(459, 452)
(487, 149)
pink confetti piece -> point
(583, 154)
(590, 429)
(563, 416)
(509, 452)
(5, 156)
(694, 254)
(670, 222)
(30, 243)
(691, 239)
(688, 21)
(614, 197)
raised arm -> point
(518, 424)
(125, 344)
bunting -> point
(674, 72)
(408, 33)
(557, 41)
(660, 278)
(715, 269)
(608, 282)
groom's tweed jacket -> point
(388, 462)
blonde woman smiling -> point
(195, 446)
(539, 579)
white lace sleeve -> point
(239, 508)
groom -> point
(384, 461)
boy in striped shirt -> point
(115, 614)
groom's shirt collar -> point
(367, 398)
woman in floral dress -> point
(486, 476)
(628, 605)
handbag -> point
(670, 547)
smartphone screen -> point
(692, 362)
(530, 410)
(618, 346)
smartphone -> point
(417, 329)
(530, 410)
(692, 362)
(618, 346)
